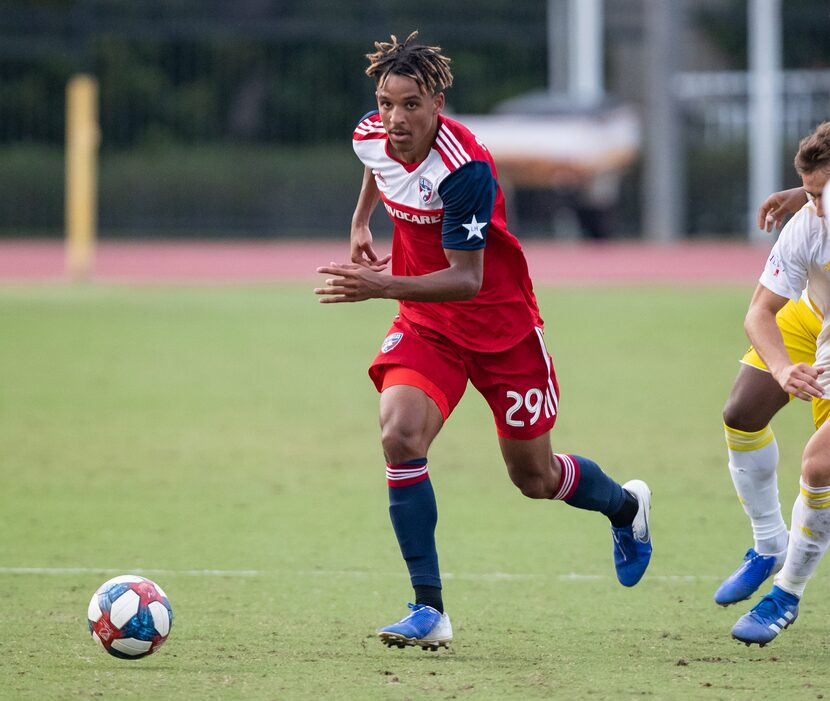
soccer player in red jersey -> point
(467, 313)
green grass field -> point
(224, 442)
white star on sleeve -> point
(475, 228)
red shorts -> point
(519, 384)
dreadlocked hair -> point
(424, 64)
(814, 151)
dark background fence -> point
(234, 118)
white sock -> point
(753, 459)
(809, 538)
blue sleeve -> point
(469, 194)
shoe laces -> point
(770, 607)
(625, 540)
(417, 607)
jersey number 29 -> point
(533, 401)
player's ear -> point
(438, 102)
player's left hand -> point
(363, 252)
(353, 283)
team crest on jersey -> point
(425, 188)
(392, 340)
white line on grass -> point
(110, 570)
(479, 577)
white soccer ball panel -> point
(93, 613)
(124, 608)
(131, 646)
(98, 640)
(160, 590)
(161, 619)
(121, 579)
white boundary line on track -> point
(479, 577)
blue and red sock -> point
(585, 486)
(414, 515)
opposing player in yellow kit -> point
(799, 260)
(755, 398)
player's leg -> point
(580, 482)
(811, 513)
(753, 461)
(753, 452)
(809, 539)
(811, 534)
(409, 421)
(413, 408)
(520, 387)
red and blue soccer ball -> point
(130, 616)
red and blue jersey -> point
(452, 200)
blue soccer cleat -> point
(745, 580)
(424, 627)
(632, 544)
(776, 611)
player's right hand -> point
(801, 380)
(779, 205)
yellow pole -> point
(81, 205)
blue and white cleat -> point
(632, 544)
(424, 627)
(745, 580)
(776, 611)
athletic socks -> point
(414, 515)
(585, 486)
(809, 538)
(753, 459)
(624, 516)
(429, 596)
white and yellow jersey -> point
(787, 273)
(798, 267)
(801, 256)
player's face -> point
(813, 183)
(409, 116)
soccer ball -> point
(129, 616)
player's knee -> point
(533, 483)
(741, 417)
(815, 468)
(533, 488)
(401, 443)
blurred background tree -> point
(223, 119)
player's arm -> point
(778, 205)
(468, 195)
(355, 283)
(362, 251)
(798, 379)
(460, 281)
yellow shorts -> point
(799, 327)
